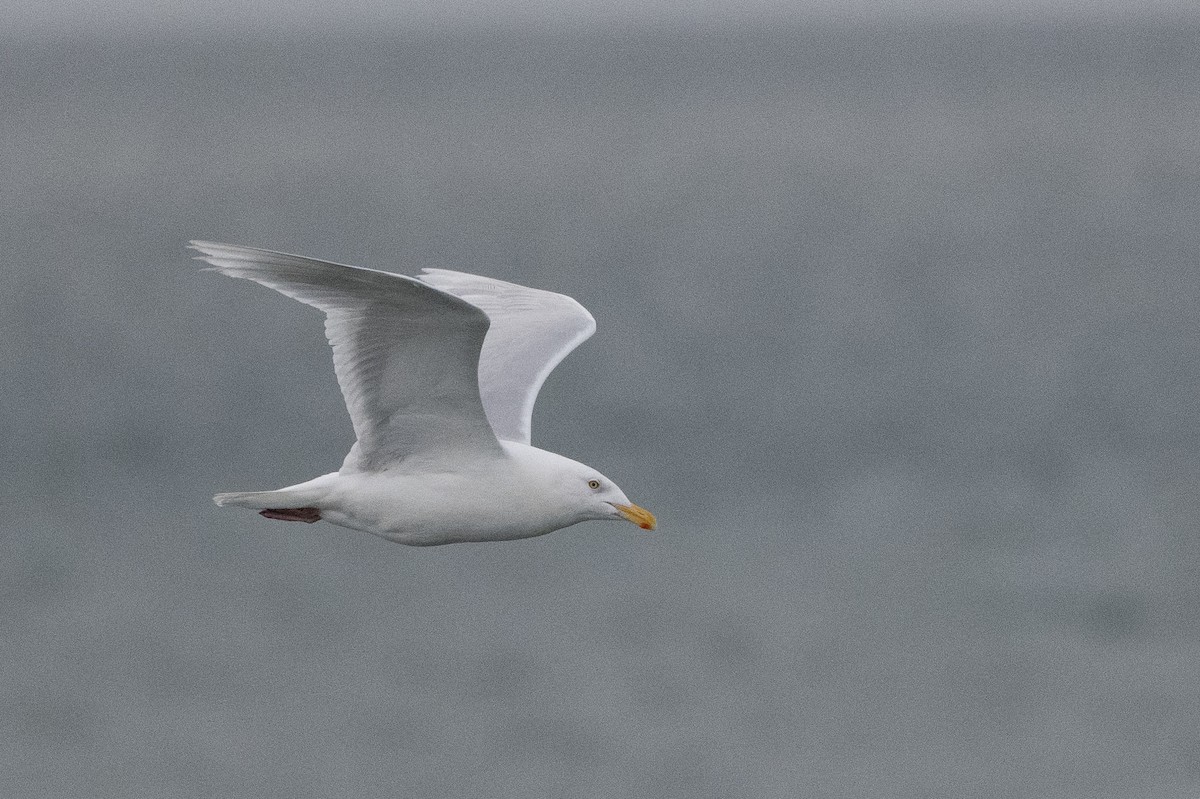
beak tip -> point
(638, 515)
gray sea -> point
(899, 336)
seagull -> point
(439, 373)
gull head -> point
(597, 497)
(581, 492)
(615, 505)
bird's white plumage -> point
(532, 331)
(440, 376)
(405, 354)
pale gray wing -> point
(406, 354)
(532, 330)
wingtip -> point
(231, 250)
(223, 257)
(207, 249)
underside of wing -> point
(531, 332)
(406, 354)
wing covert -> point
(531, 332)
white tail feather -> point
(314, 493)
(258, 499)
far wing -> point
(531, 332)
(405, 353)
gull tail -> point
(285, 505)
(298, 503)
(314, 492)
(259, 499)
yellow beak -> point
(638, 515)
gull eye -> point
(593, 484)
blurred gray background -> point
(898, 337)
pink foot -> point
(306, 515)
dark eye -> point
(593, 484)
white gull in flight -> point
(440, 375)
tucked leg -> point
(306, 515)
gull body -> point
(527, 492)
(440, 375)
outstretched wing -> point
(406, 354)
(531, 332)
